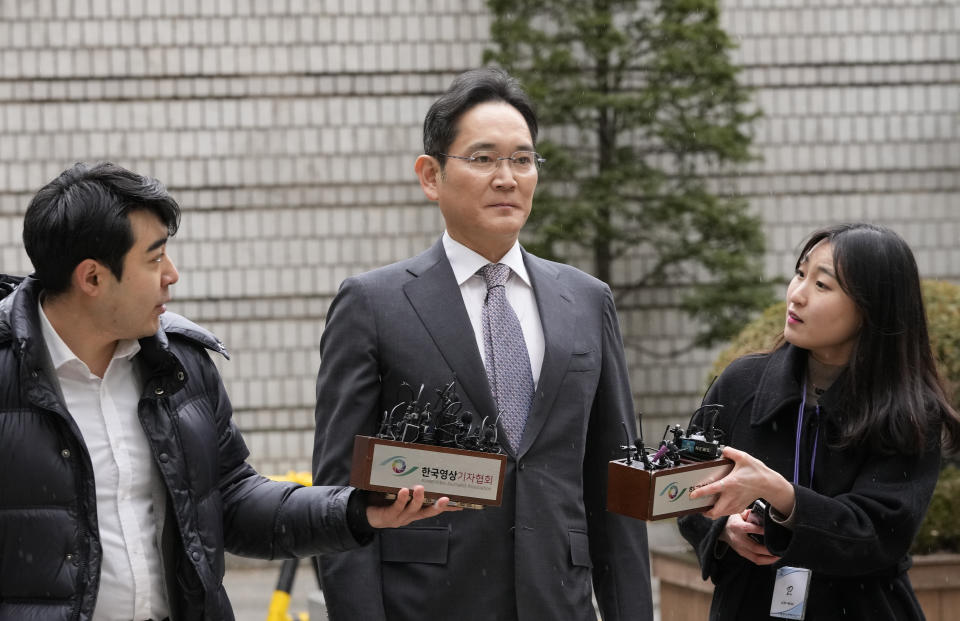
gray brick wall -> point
(287, 129)
(861, 122)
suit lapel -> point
(555, 303)
(436, 299)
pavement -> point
(250, 586)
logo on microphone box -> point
(398, 465)
(673, 492)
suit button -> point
(521, 465)
(164, 457)
(195, 555)
(65, 453)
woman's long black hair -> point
(893, 393)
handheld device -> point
(757, 515)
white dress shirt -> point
(473, 288)
(105, 410)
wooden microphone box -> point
(471, 479)
(661, 493)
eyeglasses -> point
(485, 162)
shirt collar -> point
(60, 352)
(465, 262)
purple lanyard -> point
(816, 437)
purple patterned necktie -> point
(507, 360)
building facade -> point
(287, 130)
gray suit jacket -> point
(534, 557)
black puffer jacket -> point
(49, 543)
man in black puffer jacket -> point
(122, 475)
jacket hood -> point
(8, 285)
(172, 323)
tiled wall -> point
(861, 121)
(287, 130)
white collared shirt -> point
(465, 263)
(105, 410)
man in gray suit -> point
(564, 401)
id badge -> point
(790, 593)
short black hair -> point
(82, 214)
(466, 91)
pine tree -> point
(647, 125)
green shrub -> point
(759, 335)
(941, 528)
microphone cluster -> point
(652, 483)
(435, 443)
(700, 441)
(437, 422)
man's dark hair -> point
(468, 89)
(82, 214)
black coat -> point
(49, 542)
(852, 527)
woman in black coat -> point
(838, 430)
